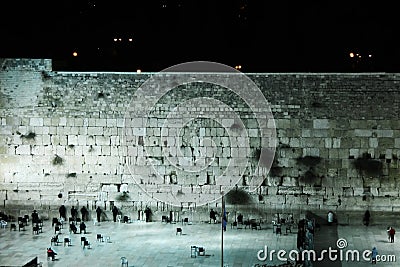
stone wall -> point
(63, 140)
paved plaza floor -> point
(158, 244)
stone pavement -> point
(157, 244)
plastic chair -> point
(35, 229)
(201, 251)
(124, 261)
(193, 251)
(3, 224)
(86, 244)
(179, 231)
(54, 221)
(67, 241)
(54, 241)
(100, 238)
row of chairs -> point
(67, 241)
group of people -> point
(85, 213)
(74, 229)
(74, 213)
(213, 218)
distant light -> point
(75, 54)
(369, 55)
(120, 39)
(238, 67)
(130, 39)
(351, 54)
(138, 71)
(115, 39)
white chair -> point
(119, 218)
(124, 261)
(3, 224)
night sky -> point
(259, 35)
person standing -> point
(98, 212)
(212, 216)
(374, 255)
(367, 216)
(62, 210)
(74, 213)
(115, 213)
(330, 217)
(35, 217)
(391, 232)
(84, 213)
(147, 212)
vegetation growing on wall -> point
(309, 161)
(368, 166)
(123, 197)
(238, 196)
(29, 136)
(311, 176)
(57, 160)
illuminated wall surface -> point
(84, 138)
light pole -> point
(222, 229)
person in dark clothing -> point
(74, 213)
(51, 253)
(84, 213)
(98, 212)
(35, 217)
(82, 228)
(115, 213)
(147, 212)
(212, 216)
(367, 217)
(240, 218)
(72, 228)
(62, 210)
(391, 233)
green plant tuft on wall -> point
(123, 197)
(29, 136)
(238, 196)
(309, 161)
(57, 160)
(368, 166)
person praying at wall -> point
(63, 211)
(74, 213)
(212, 216)
(115, 213)
(84, 213)
(98, 212)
